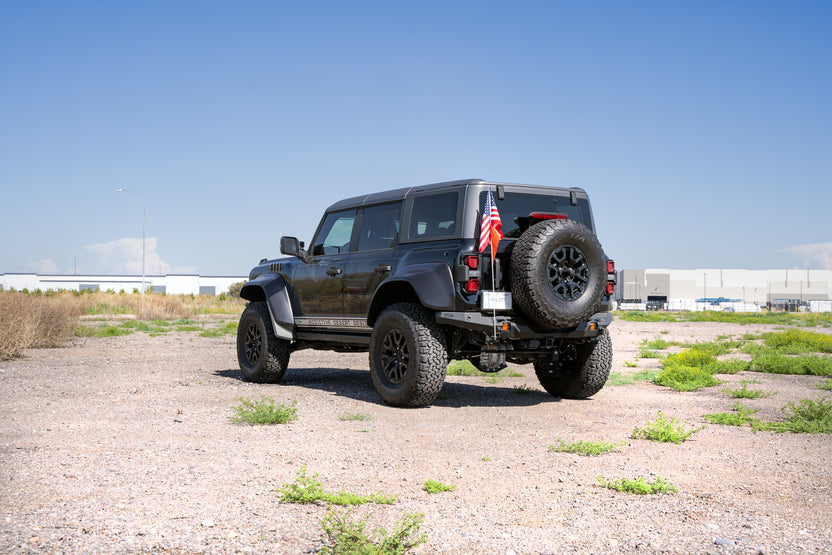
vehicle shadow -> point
(356, 384)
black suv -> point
(400, 274)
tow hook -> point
(492, 358)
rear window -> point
(519, 205)
(433, 216)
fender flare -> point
(272, 289)
(432, 283)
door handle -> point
(382, 268)
(333, 271)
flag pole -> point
(493, 288)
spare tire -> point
(558, 273)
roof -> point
(394, 195)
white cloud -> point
(124, 256)
(814, 255)
(43, 266)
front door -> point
(319, 280)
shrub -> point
(727, 366)
(814, 365)
(694, 357)
(813, 341)
(807, 417)
(235, 288)
(665, 430)
(35, 321)
(349, 537)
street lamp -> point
(144, 225)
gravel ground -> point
(123, 445)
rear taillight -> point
(468, 273)
(611, 279)
(472, 286)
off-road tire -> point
(263, 358)
(581, 370)
(558, 273)
(408, 356)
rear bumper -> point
(513, 327)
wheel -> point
(263, 358)
(558, 273)
(408, 356)
(581, 369)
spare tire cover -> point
(558, 273)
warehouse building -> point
(715, 289)
(172, 284)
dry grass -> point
(37, 320)
(28, 322)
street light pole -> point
(144, 227)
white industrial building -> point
(715, 289)
(703, 289)
(176, 284)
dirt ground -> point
(123, 444)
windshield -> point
(519, 205)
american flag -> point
(491, 228)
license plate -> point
(496, 300)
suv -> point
(400, 274)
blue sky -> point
(701, 130)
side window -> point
(380, 227)
(335, 234)
(433, 216)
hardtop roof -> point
(394, 195)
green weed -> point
(815, 342)
(630, 364)
(745, 393)
(657, 344)
(307, 489)
(347, 536)
(740, 416)
(685, 378)
(639, 486)
(432, 486)
(665, 430)
(826, 384)
(229, 328)
(524, 389)
(263, 411)
(354, 416)
(620, 378)
(462, 368)
(586, 448)
(804, 417)
(814, 365)
(727, 366)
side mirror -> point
(290, 246)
